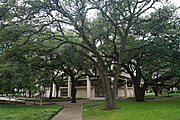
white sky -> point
(176, 2)
(92, 13)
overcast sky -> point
(176, 2)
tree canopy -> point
(59, 35)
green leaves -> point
(155, 44)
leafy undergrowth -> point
(47, 99)
(130, 110)
(31, 112)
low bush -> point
(177, 91)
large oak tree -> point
(116, 19)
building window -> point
(64, 92)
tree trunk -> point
(160, 90)
(139, 93)
(108, 91)
(155, 90)
(73, 95)
(115, 84)
(57, 91)
(30, 93)
(73, 90)
(51, 90)
(109, 100)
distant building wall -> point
(121, 92)
(63, 92)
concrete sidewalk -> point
(72, 111)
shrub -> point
(177, 91)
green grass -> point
(161, 109)
(92, 104)
(33, 112)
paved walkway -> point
(72, 111)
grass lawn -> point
(167, 108)
(31, 112)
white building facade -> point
(88, 90)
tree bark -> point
(51, 90)
(73, 90)
(115, 84)
(160, 90)
(155, 90)
(139, 92)
(109, 100)
(139, 95)
(30, 93)
(57, 91)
